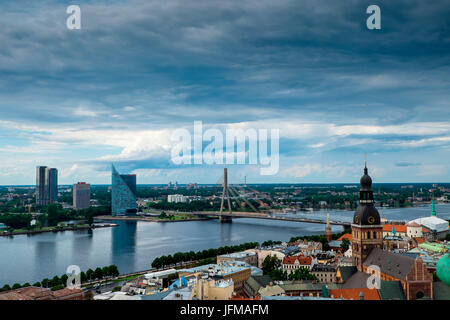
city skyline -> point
(334, 97)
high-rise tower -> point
(42, 194)
(123, 193)
(46, 185)
(367, 231)
(53, 184)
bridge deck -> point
(269, 217)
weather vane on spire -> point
(365, 159)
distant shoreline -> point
(57, 230)
(148, 219)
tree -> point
(105, 272)
(26, 284)
(83, 276)
(90, 274)
(64, 278)
(113, 270)
(6, 287)
(301, 274)
(37, 284)
(57, 287)
(98, 273)
(345, 244)
(45, 283)
(270, 263)
(16, 286)
(55, 281)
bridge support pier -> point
(226, 219)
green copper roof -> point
(443, 269)
(393, 230)
(433, 209)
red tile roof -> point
(347, 236)
(398, 228)
(301, 259)
(348, 294)
(66, 292)
(419, 240)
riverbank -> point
(151, 219)
(58, 229)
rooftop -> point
(394, 264)
(355, 294)
(238, 255)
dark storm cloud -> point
(299, 56)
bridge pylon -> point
(225, 219)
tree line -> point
(57, 283)
(179, 257)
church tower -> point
(367, 231)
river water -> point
(132, 246)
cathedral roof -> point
(394, 264)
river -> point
(132, 246)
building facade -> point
(123, 194)
(81, 195)
(249, 257)
(292, 263)
(46, 185)
(325, 273)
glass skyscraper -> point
(46, 185)
(53, 184)
(123, 193)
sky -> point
(116, 90)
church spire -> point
(433, 208)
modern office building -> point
(81, 195)
(46, 185)
(53, 184)
(123, 193)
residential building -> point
(176, 198)
(210, 289)
(246, 256)
(81, 195)
(237, 271)
(395, 230)
(292, 263)
(414, 230)
(324, 273)
(263, 253)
